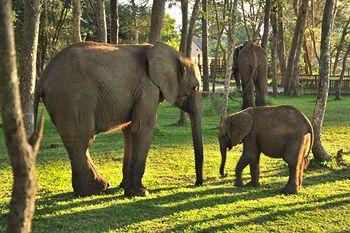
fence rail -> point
(309, 83)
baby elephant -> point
(278, 132)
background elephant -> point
(250, 66)
(278, 132)
(90, 88)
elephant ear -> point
(165, 70)
(241, 126)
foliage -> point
(175, 204)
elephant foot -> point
(238, 183)
(199, 182)
(92, 186)
(136, 192)
(123, 184)
(253, 183)
(290, 189)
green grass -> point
(323, 204)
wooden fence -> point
(309, 83)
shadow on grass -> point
(114, 215)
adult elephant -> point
(90, 88)
(250, 66)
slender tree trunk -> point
(298, 32)
(192, 23)
(229, 54)
(102, 25)
(340, 82)
(114, 22)
(267, 10)
(157, 19)
(184, 31)
(295, 81)
(324, 71)
(274, 50)
(76, 21)
(307, 56)
(340, 46)
(28, 61)
(280, 37)
(21, 153)
(205, 64)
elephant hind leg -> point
(261, 86)
(301, 158)
(127, 154)
(85, 178)
(247, 89)
(294, 158)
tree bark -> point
(340, 46)
(183, 41)
(135, 23)
(28, 61)
(280, 39)
(274, 46)
(21, 153)
(192, 23)
(157, 19)
(298, 32)
(232, 14)
(267, 10)
(76, 21)
(102, 25)
(323, 86)
(340, 82)
(205, 64)
(114, 22)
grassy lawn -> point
(323, 204)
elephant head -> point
(179, 80)
(233, 130)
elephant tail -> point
(312, 134)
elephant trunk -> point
(223, 150)
(195, 114)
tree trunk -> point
(114, 22)
(205, 64)
(323, 86)
(280, 39)
(267, 10)
(274, 50)
(193, 19)
(298, 32)
(340, 82)
(307, 57)
(157, 19)
(229, 54)
(21, 153)
(295, 81)
(102, 25)
(340, 46)
(76, 21)
(183, 41)
(135, 37)
(28, 61)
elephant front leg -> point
(141, 139)
(127, 155)
(242, 163)
(254, 173)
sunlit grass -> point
(323, 204)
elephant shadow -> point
(53, 212)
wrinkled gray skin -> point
(250, 66)
(90, 88)
(278, 132)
